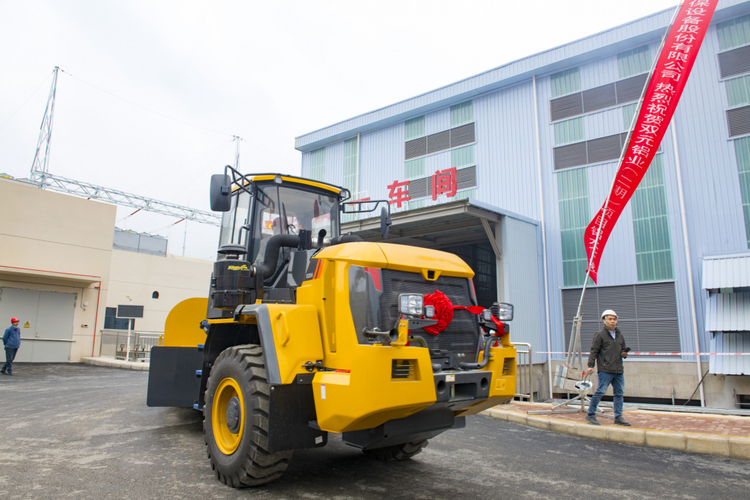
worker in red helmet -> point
(12, 342)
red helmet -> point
(13, 320)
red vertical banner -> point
(662, 94)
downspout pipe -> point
(544, 238)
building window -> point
(351, 174)
(414, 128)
(463, 157)
(734, 33)
(461, 114)
(566, 82)
(628, 112)
(569, 131)
(742, 150)
(318, 164)
(573, 194)
(647, 315)
(738, 91)
(634, 62)
(155, 295)
(653, 249)
(112, 322)
(414, 169)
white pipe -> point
(687, 257)
(544, 241)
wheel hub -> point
(234, 415)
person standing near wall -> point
(608, 349)
(12, 341)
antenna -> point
(40, 166)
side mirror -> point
(221, 193)
(385, 223)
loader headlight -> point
(429, 312)
(410, 305)
(486, 315)
(502, 311)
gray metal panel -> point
(462, 135)
(521, 280)
(126, 240)
(630, 89)
(728, 312)
(599, 98)
(604, 149)
(734, 62)
(419, 188)
(738, 121)
(152, 245)
(415, 148)
(726, 271)
(730, 343)
(565, 107)
(572, 155)
(438, 142)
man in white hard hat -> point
(607, 351)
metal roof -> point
(728, 312)
(600, 45)
(726, 271)
(437, 226)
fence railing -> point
(133, 346)
(524, 367)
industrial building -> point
(507, 168)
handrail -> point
(519, 380)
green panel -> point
(462, 114)
(351, 175)
(413, 205)
(742, 150)
(318, 164)
(569, 131)
(465, 195)
(634, 62)
(573, 195)
(566, 82)
(738, 91)
(628, 112)
(414, 128)
(414, 169)
(653, 250)
(734, 32)
(463, 157)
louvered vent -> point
(466, 177)
(418, 188)
(565, 107)
(571, 155)
(604, 149)
(415, 148)
(738, 120)
(599, 98)
(734, 62)
(403, 369)
(630, 89)
(508, 364)
(438, 142)
(462, 135)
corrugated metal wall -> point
(729, 343)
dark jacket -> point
(12, 337)
(607, 352)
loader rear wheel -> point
(235, 423)
(397, 452)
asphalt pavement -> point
(77, 431)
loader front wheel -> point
(397, 452)
(235, 423)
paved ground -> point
(85, 432)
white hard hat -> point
(609, 312)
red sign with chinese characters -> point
(398, 192)
(444, 182)
(659, 102)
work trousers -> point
(618, 388)
(10, 355)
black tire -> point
(397, 452)
(244, 459)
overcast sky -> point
(154, 90)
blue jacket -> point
(12, 337)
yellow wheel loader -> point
(307, 331)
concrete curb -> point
(115, 363)
(713, 444)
